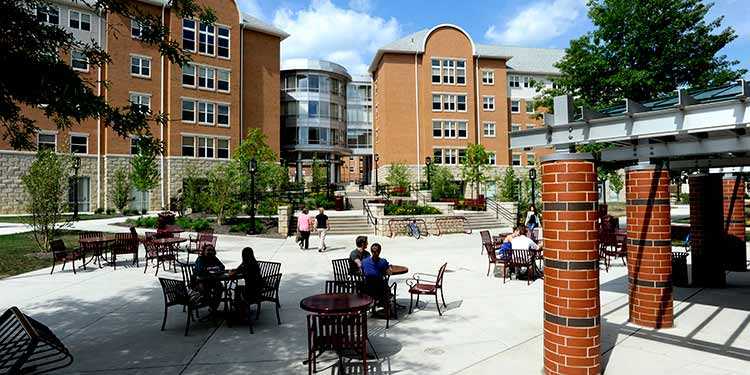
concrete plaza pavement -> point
(110, 319)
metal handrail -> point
(371, 219)
(500, 210)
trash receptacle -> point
(679, 269)
(339, 202)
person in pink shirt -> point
(304, 225)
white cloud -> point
(325, 31)
(361, 5)
(541, 21)
(252, 8)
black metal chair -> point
(124, 244)
(176, 294)
(345, 334)
(426, 284)
(384, 294)
(334, 286)
(62, 254)
(269, 292)
(518, 259)
(28, 346)
(341, 269)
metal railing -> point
(371, 219)
(500, 211)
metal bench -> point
(29, 347)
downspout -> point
(242, 83)
(416, 107)
(161, 106)
(476, 101)
(102, 25)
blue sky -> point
(350, 31)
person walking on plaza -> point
(532, 220)
(322, 224)
(304, 224)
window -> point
(437, 129)
(491, 158)
(206, 39)
(461, 72)
(206, 113)
(437, 156)
(514, 81)
(48, 14)
(488, 129)
(140, 66)
(188, 75)
(188, 35)
(188, 110)
(223, 35)
(79, 20)
(205, 147)
(437, 103)
(449, 103)
(450, 156)
(515, 127)
(449, 72)
(206, 77)
(435, 71)
(462, 129)
(222, 148)
(47, 141)
(188, 146)
(462, 103)
(488, 77)
(79, 61)
(222, 80)
(79, 144)
(488, 103)
(530, 159)
(515, 106)
(222, 114)
(462, 156)
(530, 126)
(449, 129)
(527, 82)
(516, 159)
(141, 102)
(133, 145)
(136, 29)
(529, 106)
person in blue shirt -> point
(376, 270)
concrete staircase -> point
(355, 199)
(349, 225)
(484, 220)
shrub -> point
(110, 211)
(99, 211)
(144, 211)
(399, 177)
(391, 210)
(129, 212)
(143, 222)
(46, 186)
(244, 227)
(268, 207)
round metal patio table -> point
(336, 303)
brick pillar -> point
(572, 319)
(649, 246)
(707, 230)
(734, 223)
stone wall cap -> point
(560, 156)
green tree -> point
(223, 190)
(144, 170)
(398, 176)
(616, 182)
(270, 175)
(121, 189)
(509, 185)
(43, 78)
(475, 165)
(442, 183)
(46, 185)
(644, 49)
(194, 194)
(319, 177)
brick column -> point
(572, 322)
(734, 222)
(707, 230)
(649, 246)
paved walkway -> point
(110, 320)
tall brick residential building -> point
(231, 85)
(435, 91)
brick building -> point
(435, 91)
(231, 85)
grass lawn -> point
(19, 253)
(616, 209)
(24, 219)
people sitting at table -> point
(375, 270)
(506, 246)
(207, 263)
(357, 255)
(521, 241)
(249, 270)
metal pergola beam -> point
(678, 149)
(707, 163)
(683, 119)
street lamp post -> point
(252, 167)
(328, 177)
(532, 177)
(427, 162)
(377, 188)
(76, 167)
(518, 200)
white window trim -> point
(458, 132)
(130, 93)
(526, 106)
(512, 125)
(190, 134)
(195, 34)
(80, 19)
(140, 27)
(489, 159)
(46, 132)
(198, 112)
(48, 6)
(229, 81)
(195, 76)
(494, 129)
(440, 101)
(466, 103)
(217, 25)
(198, 39)
(520, 161)
(150, 66)
(195, 110)
(198, 76)
(83, 135)
(229, 115)
(511, 106)
(492, 73)
(195, 143)
(493, 103)
(216, 148)
(88, 63)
